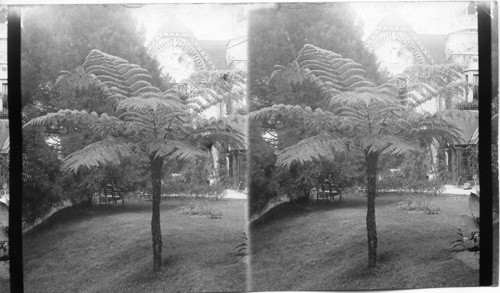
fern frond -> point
(109, 151)
(289, 111)
(322, 146)
(150, 102)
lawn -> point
(323, 246)
(108, 249)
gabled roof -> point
(469, 127)
(431, 45)
(216, 51)
(435, 45)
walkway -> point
(235, 194)
(453, 189)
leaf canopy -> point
(361, 115)
(146, 120)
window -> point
(5, 87)
(476, 88)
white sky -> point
(424, 17)
(207, 21)
(216, 21)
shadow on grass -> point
(78, 213)
(289, 210)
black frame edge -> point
(15, 132)
(485, 171)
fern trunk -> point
(371, 226)
(156, 172)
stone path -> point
(453, 189)
(235, 194)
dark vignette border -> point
(485, 172)
(15, 132)
(15, 129)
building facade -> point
(181, 54)
(397, 46)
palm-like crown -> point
(360, 116)
(146, 121)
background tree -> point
(151, 125)
(275, 37)
(57, 37)
(360, 118)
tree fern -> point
(438, 81)
(145, 121)
(361, 117)
(107, 151)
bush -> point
(413, 176)
(215, 191)
(418, 204)
(200, 207)
(471, 225)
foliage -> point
(146, 124)
(471, 226)
(420, 83)
(214, 191)
(41, 176)
(275, 37)
(264, 180)
(412, 175)
(278, 33)
(4, 169)
(300, 180)
(464, 242)
(201, 207)
(4, 232)
(361, 118)
(418, 204)
(56, 38)
(242, 249)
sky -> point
(217, 21)
(424, 17)
(207, 21)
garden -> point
(130, 186)
(129, 183)
(108, 248)
(322, 246)
(349, 176)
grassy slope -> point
(109, 250)
(323, 247)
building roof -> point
(216, 51)
(469, 128)
(435, 45)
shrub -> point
(471, 225)
(242, 249)
(418, 204)
(201, 208)
(413, 176)
(215, 191)
(464, 242)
